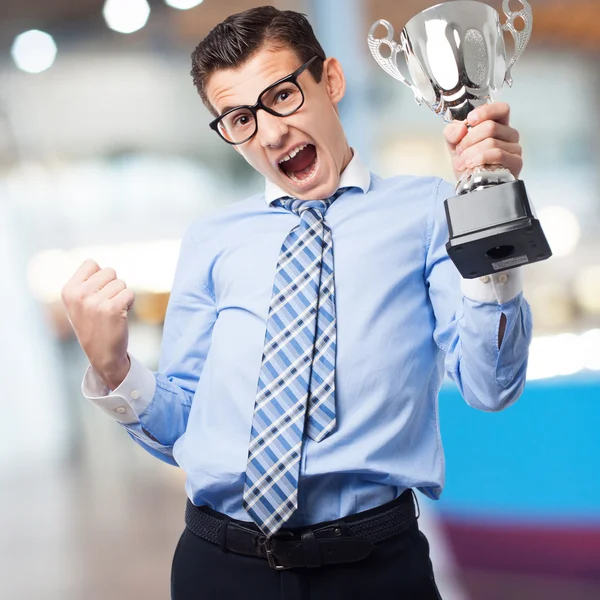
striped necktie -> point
(296, 386)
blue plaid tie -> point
(298, 367)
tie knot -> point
(299, 206)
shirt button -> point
(485, 279)
(135, 395)
(121, 410)
(503, 278)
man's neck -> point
(348, 156)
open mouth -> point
(301, 164)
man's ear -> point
(333, 76)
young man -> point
(297, 391)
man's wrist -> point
(114, 375)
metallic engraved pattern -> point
(389, 64)
(476, 57)
(521, 37)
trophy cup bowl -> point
(456, 57)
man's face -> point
(315, 130)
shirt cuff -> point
(499, 287)
(127, 402)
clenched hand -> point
(97, 303)
(489, 140)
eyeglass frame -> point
(292, 77)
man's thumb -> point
(455, 132)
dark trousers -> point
(398, 569)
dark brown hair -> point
(236, 39)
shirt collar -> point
(356, 174)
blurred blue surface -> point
(536, 461)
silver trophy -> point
(456, 57)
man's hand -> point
(490, 140)
(97, 303)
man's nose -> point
(271, 129)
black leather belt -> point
(343, 541)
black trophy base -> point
(494, 229)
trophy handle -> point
(520, 37)
(389, 64)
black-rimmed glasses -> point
(280, 99)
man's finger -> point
(477, 155)
(99, 279)
(455, 133)
(125, 299)
(85, 271)
(492, 156)
(512, 162)
(111, 289)
(496, 111)
(489, 130)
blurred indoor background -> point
(105, 152)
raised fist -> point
(97, 303)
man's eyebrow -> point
(228, 108)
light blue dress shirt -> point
(402, 320)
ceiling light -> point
(126, 16)
(183, 4)
(34, 51)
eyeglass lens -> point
(283, 99)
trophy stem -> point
(481, 177)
